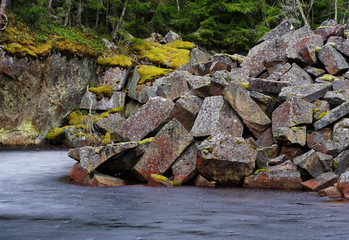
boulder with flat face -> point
(104, 180)
(321, 182)
(326, 31)
(333, 61)
(277, 71)
(203, 182)
(322, 141)
(185, 166)
(343, 183)
(168, 144)
(204, 86)
(280, 30)
(216, 116)
(332, 116)
(266, 86)
(150, 116)
(336, 98)
(283, 176)
(331, 192)
(89, 100)
(312, 164)
(307, 92)
(341, 135)
(249, 111)
(297, 76)
(341, 163)
(226, 159)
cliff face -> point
(36, 94)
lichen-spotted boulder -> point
(226, 159)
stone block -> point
(203, 182)
(249, 111)
(116, 77)
(266, 139)
(280, 30)
(297, 76)
(283, 176)
(277, 160)
(291, 152)
(336, 98)
(277, 71)
(185, 166)
(168, 144)
(103, 180)
(265, 154)
(316, 72)
(216, 116)
(331, 192)
(341, 135)
(327, 31)
(266, 86)
(332, 116)
(321, 182)
(333, 61)
(205, 86)
(322, 141)
(341, 163)
(343, 183)
(340, 84)
(110, 123)
(76, 137)
(307, 92)
(89, 100)
(149, 117)
(135, 91)
(311, 163)
(320, 109)
(226, 159)
(79, 175)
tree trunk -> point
(300, 8)
(336, 10)
(178, 8)
(67, 16)
(49, 6)
(121, 19)
(79, 13)
(3, 19)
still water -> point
(38, 202)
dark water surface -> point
(37, 202)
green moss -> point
(259, 171)
(331, 44)
(102, 91)
(328, 77)
(75, 117)
(318, 103)
(317, 49)
(207, 149)
(19, 50)
(159, 178)
(315, 110)
(245, 84)
(149, 73)
(237, 59)
(181, 45)
(106, 138)
(106, 113)
(146, 140)
(239, 142)
(55, 133)
(321, 115)
(115, 60)
(335, 164)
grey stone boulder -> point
(249, 111)
(116, 77)
(322, 141)
(297, 76)
(283, 176)
(313, 163)
(332, 116)
(135, 91)
(266, 86)
(280, 30)
(89, 100)
(340, 84)
(277, 160)
(168, 144)
(321, 182)
(313, 71)
(341, 163)
(171, 36)
(329, 29)
(320, 109)
(336, 98)
(308, 92)
(216, 116)
(266, 139)
(150, 116)
(205, 86)
(76, 137)
(185, 168)
(265, 154)
(333, 61)
(264, 101)
(277, 71)
(186, 109)
(341, 134)
(226, 159)
(110, 123)
(343, 183)
(340, 43)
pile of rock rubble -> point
(277, 118)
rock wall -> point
(36, 94)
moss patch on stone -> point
(149, 73)
(55, 133)
(106, 113)
(119, 60)
(328, 77)
(181, 45)
(102, 91)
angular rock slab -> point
(311, 163)
(336, 98)
(327, 31)
(307, 92)
(92, 157)
(334, 115)
(331, 192)
(105, 104)
(103, 180)
(110, 123)
(249, 111)
(172, 86)
(135, 91)
(333, 61)
(205, 86)
(266, 86)
(321, 182)
(168, 144)
(149, 117)
(226, 159)
(342, 163)
(277, 71)
(203, 182)
(291, 135)
(320, 108)
(216, 116)
(283, 176)
(280, 30)
(265, 102)
(343, 184)
(185, 166)
(116, 77)
(297, 76)
(341, 134)
(79, 175)
(186, 109)
(322, 141)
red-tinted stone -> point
(266, 86)
(203, 182)
(312, 163)
(226, 159)
(321, 182)
(327, 31)
(331, 192)
(79, 175)
(277, 71)
(291, 152)
(167, 146)
(149, 117)
(343, 184)
(333, 61)
(216, 116)
(334, 115)
(322, 141)
(283, 176)
(185, 166)
(116, 77)
(307, 92)
(266, 139)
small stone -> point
(171, 36)
(340, 84)
(116, 77)
(79, 175)
(265, 154)
(333, 61)
(167, 146)
(320, 109)
(277, 160)
(291, 152)
(341, 163)
(226, 159)
(331, 192)
(277, 71)
(322, 141)
(103, 180)
(343, 184)
(150, 116)
(266, 86)
(216, 116)
(330, 30)
(89, 100)
(316, 72)
(203, 182)
(297, 76)
(341, 134)
(332, 116)
(307, 92)
(186, 109)
(311, 163)
(283, 176)
(336, 98)
(321, 182)
(249, 111)
(185, 166)
(266, 139)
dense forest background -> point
(228, 26)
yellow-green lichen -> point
(259, 171)
(335, 164)
(239, 142)
(321, 115)
(207, 149)
(245, 84)
(146, 140)
(106, 113)
(181, 45)
(19, 50)
(54, 133)
(115, 60)
(102, 91)
(315, 110)
(328, 77)
(106, 138)
(165, 180)
(149, 73)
